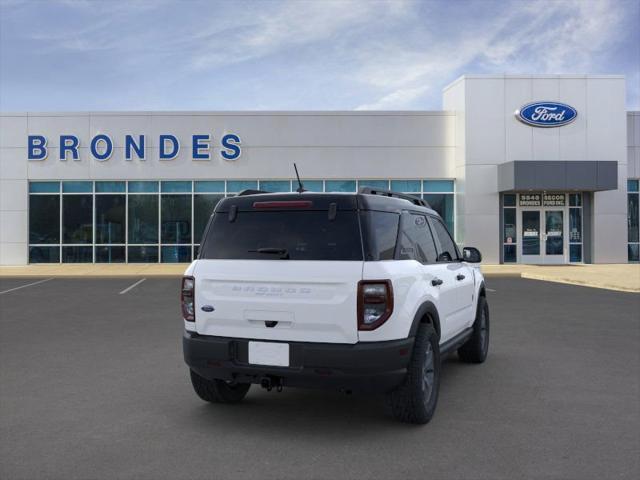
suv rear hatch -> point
(281, 267)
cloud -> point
(534, 37)
(336, 54)
(396, 100)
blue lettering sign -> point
(231, 147)
(130, 144)
(37, 147)
(200, 142)
(108, 147)
(164, 155)
(69, 143)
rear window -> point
(292, 235)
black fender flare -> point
(426, 310)
(481, 290)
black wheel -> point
(218, 391)
(475, 349)
(415, 400)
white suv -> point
(358, 292)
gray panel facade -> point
(585, 176)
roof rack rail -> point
(250, 191)
(390, 193)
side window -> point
(447, 250)
(416, 242)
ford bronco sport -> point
(357, 292)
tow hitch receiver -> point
(270, 382)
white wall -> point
(364, 145)
(494, 136)
(633, 144)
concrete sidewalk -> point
(620, 277)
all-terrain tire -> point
(218, 391)
(475, 349)
(415, 400)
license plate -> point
(268, 353)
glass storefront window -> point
(110, 221)
(44, 219)
(77, 254)
(110, 254)
(444, 186)
(381, 184)
(44, 187)
(176, 187)
(44, 254)
(510, 254)
(203, 206)
(111, 187)
(443, 204)
(77, 187)
(176, 254)
(406, 186)
(143, 187)
(143, 219)
(340, 186)
(176, 219)
(575, 200)
(575, 253)
(276, 185)
(143, 254)
(110, 218)
(575, 225)
(209, 187)
(632, 217)
(309, 185)
(509, 230)
(509, 200)
(77, 219)
(633, 232)
(235, 186)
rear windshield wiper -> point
(283, 252)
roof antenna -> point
(300, 188)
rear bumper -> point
(371, 367)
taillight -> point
(187, 298)
(375, 303)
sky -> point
(88, 55)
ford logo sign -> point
(546, 114)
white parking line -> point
(489, 289)
(25, 286)
(132, 286)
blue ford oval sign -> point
(546, 114)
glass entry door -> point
(554, 236)
(542, 236)
(531, 237)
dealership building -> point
(529, 169)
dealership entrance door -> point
(543, 228)
(542, 236)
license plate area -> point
(269, 353)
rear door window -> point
(276, 235)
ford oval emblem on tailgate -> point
(207, 308)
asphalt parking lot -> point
(93, 386)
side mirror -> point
(471, 255)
